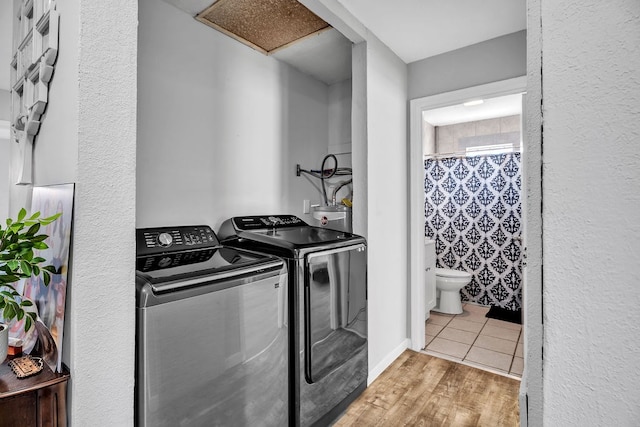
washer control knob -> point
(165, 239)
(165, 262)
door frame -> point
(416, 192)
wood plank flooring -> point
(422, 390)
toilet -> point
(448, 285)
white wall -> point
(6, 50)
(387, 204)
(5, 103)
(493, 60)
(359, 141)
(56, 158)
(340, 114)
(591, 91)
(339, 99)
(428, 138)
(221, 127)
(5, 164)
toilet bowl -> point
(448, 285)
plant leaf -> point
(25, 267)
(8, 312)
(51, 218)
(22, 214)
(33, 229)
(27, 323)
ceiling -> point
(503, 106)
(418, 29)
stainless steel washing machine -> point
(328, 309)
(211, 332)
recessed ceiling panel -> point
(265, 25)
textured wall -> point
(591, 176)
(531, 385)
(102, 311)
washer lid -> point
(453, 274)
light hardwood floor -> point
(422, 390)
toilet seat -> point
(452, 274)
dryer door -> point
(335, 308)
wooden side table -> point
(37, 401)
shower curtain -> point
(473, 211)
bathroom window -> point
(507, 142)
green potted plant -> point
(18, 240)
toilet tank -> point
(429, 275)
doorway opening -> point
(502, 99)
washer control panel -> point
(151, 241)
(174, 259)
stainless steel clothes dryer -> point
(327, 308)
(211, 332)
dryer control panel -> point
(151, 241)
(245, 223)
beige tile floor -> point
(473, 339)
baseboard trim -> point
(388, 360)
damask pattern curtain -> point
(473, 211)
